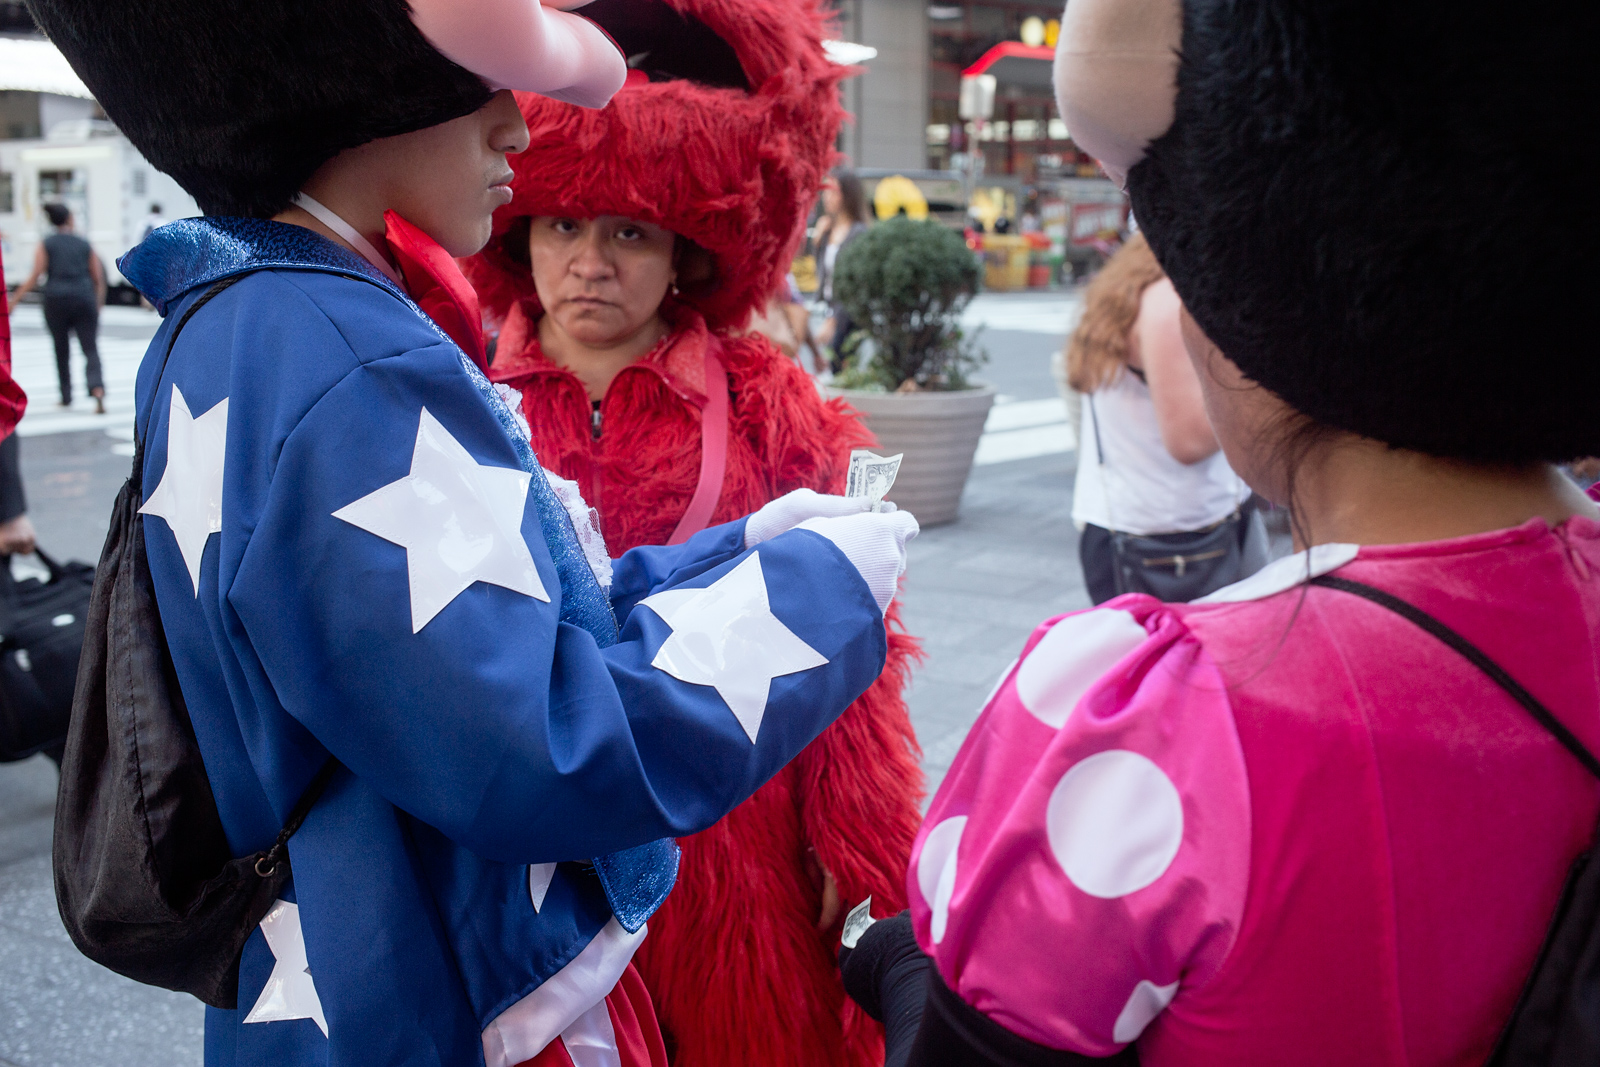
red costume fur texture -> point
(733, 171)
(740, 975)
(738, 970)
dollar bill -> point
(871, 476)
(856, 923)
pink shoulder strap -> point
(713, 449)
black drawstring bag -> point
(1556, 1022)
(145, 881)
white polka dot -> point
(936, 870)
(1115, 823)
(1148, 1001)
(1074, 654)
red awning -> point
(1015, 63)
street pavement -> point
(973, 592)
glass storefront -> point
(1026, 138)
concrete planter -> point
(938, 432)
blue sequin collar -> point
(193, 252)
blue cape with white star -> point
(504, 730)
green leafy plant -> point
(905, 284)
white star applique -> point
(540, 875)
(289, 992)
(190, 494)
(727, 637)
(459, 521)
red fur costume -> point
(739, 973)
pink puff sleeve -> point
(1087, 857)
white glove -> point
(791, 509)
(875, 542)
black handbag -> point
(1179, 567)
(145, 881)
(1556, 1022)
(41, 634)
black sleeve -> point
(13, 501)
(925, 1023)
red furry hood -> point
(732, 170)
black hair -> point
(1380, 211)
(852, 197)
(58, 214)
(242, 102)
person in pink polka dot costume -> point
(1302, 820)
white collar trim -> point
(326, 216)
(1286, 573)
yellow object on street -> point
(1005, 262)
(898, 193)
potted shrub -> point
(904, 284)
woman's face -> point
(832, 202)
(603, 279)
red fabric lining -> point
(437, 285)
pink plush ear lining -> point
(522, 44)
(1116, 76)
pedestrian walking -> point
(844, 218)
(1160, 509)
(74, 290)
(154, 221)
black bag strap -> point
(267, 862)
(1474, 655)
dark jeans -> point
(843, 324)
(13, 501)
(65, 315)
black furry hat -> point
(1384, 212)
(241, 102)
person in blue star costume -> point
(357, 556)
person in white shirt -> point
(1160, 509)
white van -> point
(108, 186)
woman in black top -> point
(74, 289)
(844, 218)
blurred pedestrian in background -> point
(1161, 510)
(74, 291)
(624, 282)
(156, 219)
(844, 218)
